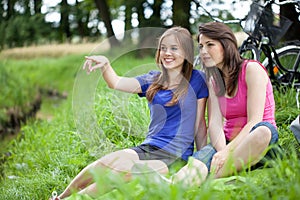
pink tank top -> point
(234, 110)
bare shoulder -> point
(255, 71)
(255, 67)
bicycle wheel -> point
(249, 52)
(289, 58)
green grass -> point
(47, 154)
(22, 81)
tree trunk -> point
(140, 11)
(105, 16)
(155, 18)
(128, 13)
(181, 13)
(148, 36)
(37, 6)
(26, 6)
(10, 9)
(82, 17)
(64, 21)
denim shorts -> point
(206, 154)
(150, 152)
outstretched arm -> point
(125, 84)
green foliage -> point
(22, 30)
(43, 156)
(15, 92)
(286, 112)
(23, 80)
(53, 73)
(123, 118)
(286, 105)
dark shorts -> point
(206, 154)
(150, 152)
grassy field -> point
(94, 120)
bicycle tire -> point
(249, 52)
(289, 57)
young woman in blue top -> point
(177, 99)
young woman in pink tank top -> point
(241, 107)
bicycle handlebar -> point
(233, 21)
(239, 20)
(283, 2)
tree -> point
(64, 21)
(181, 13)
(148, 35)
(128, 13)
(82, 14)
(22, 23)
(155, 19)
(37, 6)
(10, 9)
(103, 8)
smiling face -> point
(171, 53)
(211, 52)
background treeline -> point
(23, 22)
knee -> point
(199, 172)
(198, 166)
(262, 135)
(118, 158)
(109, 161)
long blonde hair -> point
(186, 43)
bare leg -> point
(91, 190)
(194, 173)
(150, 166)
(125, 166)
(250, 151)
(155, 169)
(83, 179)
(119, 162)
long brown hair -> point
(232, 59)
(185, 41)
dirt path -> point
(52, 50)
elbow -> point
(111, 86)
(211, 129)
(113, 83)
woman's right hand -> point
(218, 162)
(94, 62)
(114, 81)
